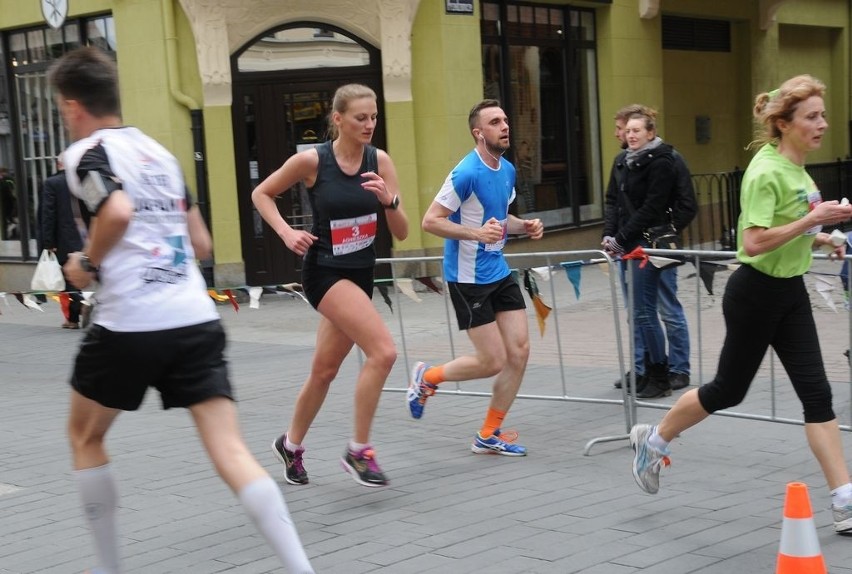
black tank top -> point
(345, 214)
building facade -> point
(234, 87)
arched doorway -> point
(283, 84)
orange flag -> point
(542, 310)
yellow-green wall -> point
(446, 83)
(630, 66)
(400, 135)
(810, 36)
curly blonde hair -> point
(781, 104)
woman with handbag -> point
(637, 201)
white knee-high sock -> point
(265, 504)
(99, 495)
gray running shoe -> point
(648, 461)
(842, 519)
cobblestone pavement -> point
(447, 510)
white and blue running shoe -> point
(418, 390)
(495, 444)
(647, 460)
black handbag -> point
(662, 236)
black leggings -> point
(761, 311)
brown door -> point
(271, 123)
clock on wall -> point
(54, 12)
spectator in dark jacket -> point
(682, 210)
(642, 188)
(59, 234)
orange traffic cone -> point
(799, 552)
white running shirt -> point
(149, 281)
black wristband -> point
(394, 203)
(86, 264)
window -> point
(701, 35)
(539, 61)
(302, 48)
(35, 134)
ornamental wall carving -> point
(223, 26)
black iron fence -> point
(715, 226)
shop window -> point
(539, 61)
(31, 130)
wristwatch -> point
(394, 203)
(86, 264)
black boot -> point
(656, 382)
(640, 380)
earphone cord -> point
(488, 151)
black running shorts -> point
(318, 279)
(186, 365)
(478, 305)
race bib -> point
(814, 199)
(351, 235)
(500, 244)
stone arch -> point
(222, 26)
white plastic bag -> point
(48, 274)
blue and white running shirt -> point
(475, 193)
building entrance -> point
(279, 112)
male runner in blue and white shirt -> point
(471, 211)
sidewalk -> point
(447, 510)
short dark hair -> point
(473, 116)
(89, 76)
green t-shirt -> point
(774, 192)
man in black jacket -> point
(59, 234)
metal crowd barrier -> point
(583, 341)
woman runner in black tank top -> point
(348, 182)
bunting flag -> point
(707, 271)
(429, 282)
(232, 299)
(65, 304)
(407, 288)
(516, 276)
(30, 301)
(572, 269)
(825, 287)
(542, 273)
(294, 289)
(254, 297)
(664, 262)
(542, 310)
(383, 289)
(216, 297)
